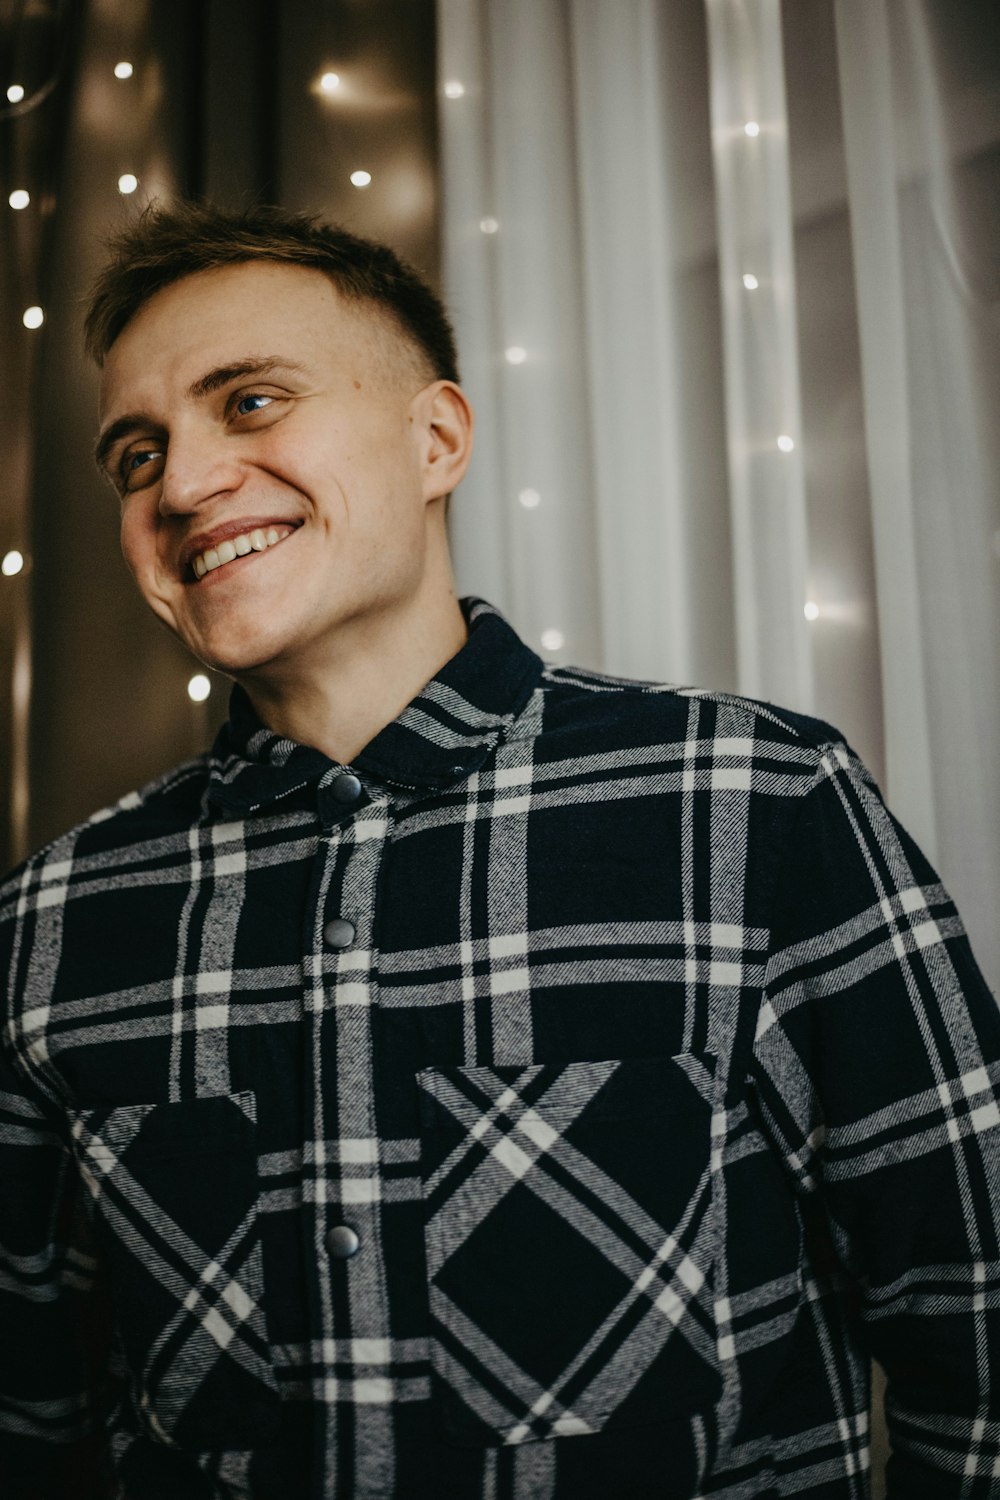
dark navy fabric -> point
(563, 1108)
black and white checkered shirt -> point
(554, 1104)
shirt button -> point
(346, 788)
(342, 1242)
(339, 933)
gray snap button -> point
(342, 1242)
(346, 788)
(339, 933)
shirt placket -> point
(352, 1386)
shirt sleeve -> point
(53, 1344)
(877, 1064)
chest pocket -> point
(174, 1194)
(570, 1241)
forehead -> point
(237, 312)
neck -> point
(379, 665)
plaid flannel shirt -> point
(556, 1104)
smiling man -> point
(472, 1078)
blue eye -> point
(244, 407)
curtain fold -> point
(929, 296)
(725, 282)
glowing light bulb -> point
(529, 499)
(553, 640)
(751, 128)
(330, 83)
(19, 198)
(750, 282)
(123, 70)
(199, 688)
(12, 563)
(515, 355)
(361, 179)
(128, 182)
(15, 93)
(811, 610)
(453, 89)
(489, 225)
(33, 317)
(785, 443)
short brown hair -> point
(169, 242)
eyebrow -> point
(213, 380)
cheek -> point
(138, 544)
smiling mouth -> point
(260, 539)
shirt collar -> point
(443, 735)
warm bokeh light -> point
(330, 83)
(199, 688)
(33, 317)
(811, 610)
(123, 70)
(751, 128)
(361, 179)
(553, 640)
(15, 93)
(750, 282)
(128, 182)
(453, 89)
(785, 443)
(19, 198)
(12, 563)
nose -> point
(197, 467)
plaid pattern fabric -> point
(640, 1052)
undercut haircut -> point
(170, 241)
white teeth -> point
(257, 540)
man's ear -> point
(445, 426)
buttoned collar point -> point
(446, 733)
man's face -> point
(255, 416)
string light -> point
(750, 282)
(785, 443)
(15, 93)
(553, 640)
(453, 89)
(32, 317)
(529, 499)
(330, 83)
(515, 355)
(811, 610)
(489, 225)
(123, 70)
(12, 564)
(128, 182)
(751, 128)
(199, 688)
(361, 179)
(19, 198)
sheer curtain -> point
(725, 282)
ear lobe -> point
(449, 425)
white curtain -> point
(725, 282)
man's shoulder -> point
(642, 710)
(169, 803)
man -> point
(473, 1078)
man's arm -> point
(878, 1069)
(51, 1336)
